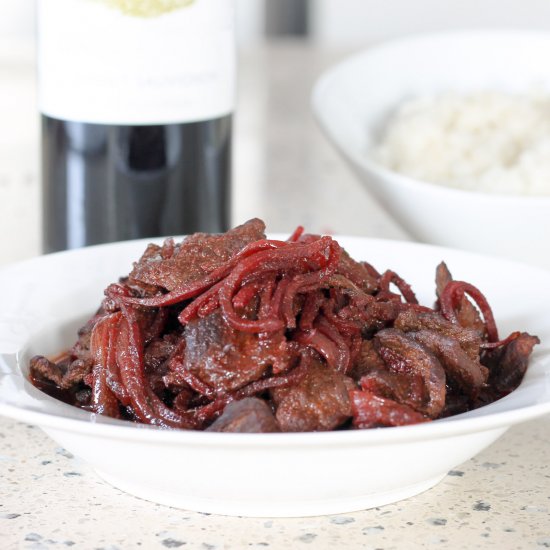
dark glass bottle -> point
(139, 151)
(109, 183)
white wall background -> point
(344, 23)
(16, 20)
(250, 21)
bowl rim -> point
(328, 77)
(124, 430)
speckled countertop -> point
(286, 173)
(500, 499)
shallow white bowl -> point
(46, 299)
(353, 100)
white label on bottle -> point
(99, 63)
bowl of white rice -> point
(450, 132)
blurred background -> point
(284, 170)
(340, 23)
(353, 23)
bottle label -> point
(136, 61)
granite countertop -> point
(500, 499)
(286, 173)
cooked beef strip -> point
(318, 402)
(65, 375)
(158, 351)
(404, 355)
(413, 321)
(249, 415)
(42, 367)
(379, 315)
(155, 359)
(367, 360)
(195, 257)
(457, 402)
(468, 373)
(76, 372)
(357, 273)
(227, 359)
(507, 364)
(408, 389)
(81, 350)
(372, 411)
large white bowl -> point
(45, 300)
(352, 102)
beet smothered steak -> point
(240, 333)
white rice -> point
(487, 141)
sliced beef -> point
(319, 402)
(155, 358)
(373, 411)
(195, 257)
(158, 351)
(366, 361)
(380, 314)
(508, 364)
(413, 321)
(357, 273)
(407, 388)
(81, 350)
(468, 373)
(226, 359)
(249, 415)
(65, 374)
(457, 402)
(77, 371)
(405, 356)
(42, 368)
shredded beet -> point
(454, 292)
(237, 332)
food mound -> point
(240, 333)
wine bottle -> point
(136, 100)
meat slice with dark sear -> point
(508, 364)
(77, 371)
(197, 256)
(318, 402)
(403, 355)
(64, 374)
(81, 349)
(44, 369)
(157, 352)
(249, 415)
(407, 389)
(373, 411)
(467, 314)
(375, 377)
(155, 359)
(227, 359)
(366, 361)
(357, 273)
(469, 374)
(412, 321)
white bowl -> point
(353, 100)
(294, 474)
